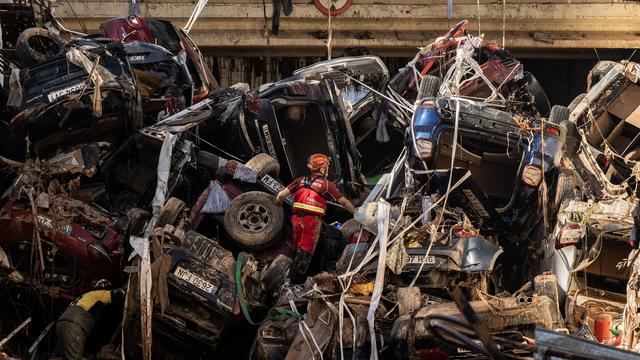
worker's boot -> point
(301, 261)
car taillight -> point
(427, 104)
(603, 161)
(253, 105)
(570, 234)
(532, 176)
(425, 148)
(552, 131)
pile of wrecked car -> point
(489, 223)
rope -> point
(329, 33)
(478, 7)
(200, 5)
(504, 26)
(434, 228)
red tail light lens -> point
(552, 131)
(532, 176)
(427, 104)
(570, 234)
(253, 105)
(425, 148)
(603, 161)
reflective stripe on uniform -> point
(310, 208)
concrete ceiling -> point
(387, 28)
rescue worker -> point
(310, 195)
(76, 323)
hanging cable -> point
(478, 7)
(504, 26)
(200, 5)
(329, 32)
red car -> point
(79, 244)
(498, 65)
(165, 34)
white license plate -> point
(195, 280)
(417, 259)
(53, 96)
(274, 186)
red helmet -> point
(317, 162)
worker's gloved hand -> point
(117, 295)
(277, 201)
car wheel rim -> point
(254, 217)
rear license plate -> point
(417, 259)
(53, 96)
(274, 186)
(195, 280)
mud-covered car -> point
(210, 292)
(164, 34)
(596, 193)
(489, 142)
(318, 110)
(61, 106)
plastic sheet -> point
(243, 173)
(217, 201)
(383, 231)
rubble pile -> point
(489, 224)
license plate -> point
(195, 280)
(417, 259)
(53, 96)
(274, 186)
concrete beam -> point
(394, 25)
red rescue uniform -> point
(310, 202)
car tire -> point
(207, 160)
(539, 95)
(253, 220)
(599, 70)
(429, 86)
(574, 103)
(565, 188)
(170, 212)
(263, 164)
(559, 114)
(350, 227)
(35, 45)
(275, 274)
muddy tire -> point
(170, 212)
(253, 221)
(429, 86)
(274, 275)
(35, 45)
(207, 160)
(537, 92)
(350, 227)
(565, 188)
(599, 71)
(559, 114)
(263, 164)
(574, 103)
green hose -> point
(243, 303)
(277, 314)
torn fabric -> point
(15, 89)
(382, 215)
(98, 74)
